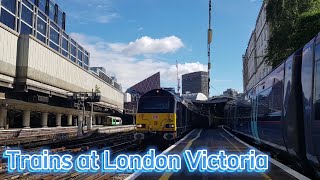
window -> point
(287, 82)
(25, 29)
(65, 44)
(73, 50)
(29, 5)
(54, 26)
(79, 55)
(51, 10)
(42, 26)
(60, 18)
(86, 60)
(65, 53)
(72, 58)
(41, 38)
(44, 17)
(54, 46)
(7, 19)
(74, 42)
(317, 92)
(33, 1)
(86, 67)
(27, 15)
(65, 35)
(306, 74)
(54, 36)
(10, 5)
(317, 52)
(156, 105)
(42, 5)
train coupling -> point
(169, 136)
(138, 136)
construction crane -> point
(178, 79)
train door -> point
(293, 125)
(254, 116)
(316, 103)
(310, 86)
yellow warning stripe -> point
(166, 176)
(263, 174)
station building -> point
(136, 91)
(42, 70)
(255, 67)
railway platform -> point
(12, 136)
(215, 140)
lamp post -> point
(209, 47)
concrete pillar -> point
(58, 120)
(80, 119)
(84, 121)
(11, 121)
(93, 120)
(89, 122)
(69, 120)
(75, 121)
(99, 120)
(44, 120)
(3, 118)
(26, 119)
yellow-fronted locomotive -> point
(162, 114)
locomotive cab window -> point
(156, 104)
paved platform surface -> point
(215, 140)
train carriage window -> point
(317, 92)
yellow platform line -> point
(263, 174)
(166, 176)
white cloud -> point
(130, 69)
(147, 45)
(84, 11)
(106, 18)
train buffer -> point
(215, 140)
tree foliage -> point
(293, 23)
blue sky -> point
(135, 39)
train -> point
(282, 111)
(162, 115)
(112, 121)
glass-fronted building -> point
(44, 20)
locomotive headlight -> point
(141, 126)
(169, 126)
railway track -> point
(117, 143)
